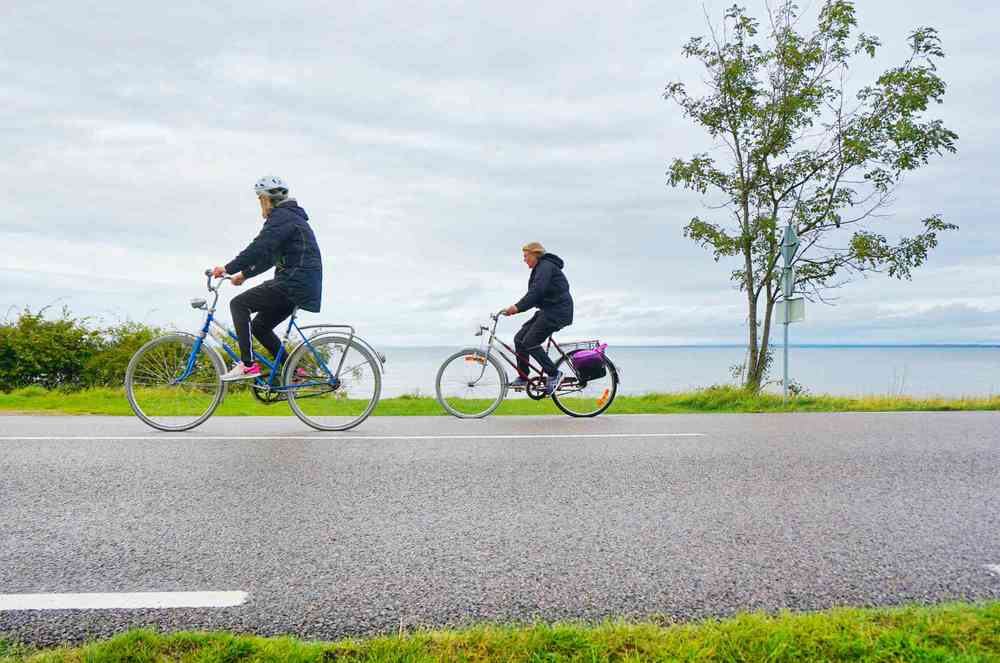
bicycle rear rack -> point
(351, 337)
(579, 345)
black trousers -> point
(529, 340)
(272, 307)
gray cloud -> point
(428, 143)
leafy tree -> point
(799, 149)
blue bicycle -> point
(332, 378)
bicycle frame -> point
(271, 364)
(504, 355)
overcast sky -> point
(428, 142)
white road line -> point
(123, 601)
(994, 568)
(334, 436)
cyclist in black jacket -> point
(548, 289)
(287, 243)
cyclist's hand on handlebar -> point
(218, 271)
(238, 278)
(510, 310)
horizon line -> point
(984, 344)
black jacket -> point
(286, 242)
(548, 289)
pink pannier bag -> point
(589, 364)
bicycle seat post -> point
(291, 323)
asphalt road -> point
(435, 521)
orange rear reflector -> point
(604, 398)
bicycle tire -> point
(306, 352)
(185, 341)
(607, 398)
(479, 356)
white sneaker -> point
(241, 372)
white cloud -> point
(428, 146)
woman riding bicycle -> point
(286, 242)
(548, 289)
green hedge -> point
(66, 352)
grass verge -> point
(109, 401)
(959, 632)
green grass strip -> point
(108, 401)
(958, 632)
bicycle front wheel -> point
(471, 385)
(325, 399)
(170, 389)
(589, 398)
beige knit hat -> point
(534, 247)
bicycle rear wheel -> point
(585, 398)
(327, 401)
(164, 393)
(471, 385)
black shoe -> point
(552, 382)
(518, 383)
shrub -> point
(107, 367)
(48, 353)
(66, 352)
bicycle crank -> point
(536, 388)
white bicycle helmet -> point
(269, 183)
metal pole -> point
(784, 381)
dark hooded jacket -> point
(548, 289)
(287, 243)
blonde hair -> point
(534, 248)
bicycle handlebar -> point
(208, 273)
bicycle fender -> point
(346, 337)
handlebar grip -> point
(208, 272)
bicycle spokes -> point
(327, 401)
(586, 397)
(470, 384)
(172, 387)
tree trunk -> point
(755, 378)
(753, 367)
(754, 372)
